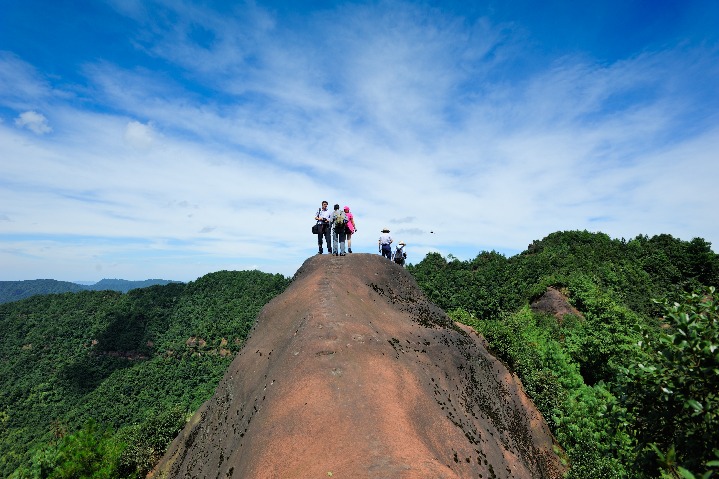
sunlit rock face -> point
(353, 373)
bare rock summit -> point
(353, 373)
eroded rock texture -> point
(352, 373)
(555, 303)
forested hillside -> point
(97, 383)
(629, 384)
(99, 380)
(17, 290)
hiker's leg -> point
(326, 232)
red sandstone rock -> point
(352, 373)
(555, 303)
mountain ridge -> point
(352, 371)
(17, 290)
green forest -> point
(630, 385)
(97, 383)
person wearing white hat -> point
(400, 255)
(385, 244)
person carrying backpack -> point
(351, 228)
(399, 254)
(339, 230)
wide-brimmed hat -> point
(385, 230)
(403, 243)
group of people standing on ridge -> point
(340, 225)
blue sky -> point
(170, 139)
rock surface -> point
(352, 373)
(555, 303)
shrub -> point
(675, 392)
(87, 453)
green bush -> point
(613, 419)
(584, 418)
(88, 453)
(649, 408)
(147, 442)
(674, 393)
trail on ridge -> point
(353, 372)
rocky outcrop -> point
(352, 373)
(557, 304)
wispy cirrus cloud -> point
(20, 84)
(213, 142)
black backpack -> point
(399, 255)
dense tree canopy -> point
(630, 386)
(117, 371)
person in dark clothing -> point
(323, 218)
(400, 254)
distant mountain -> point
(124, 285)
(16, 290)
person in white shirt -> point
(323, 218)
(385, 244)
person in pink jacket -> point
(351, 227)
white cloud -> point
(266, 117)
(33, 121)
(139, 135)
(20, 83)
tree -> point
(674, 394)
